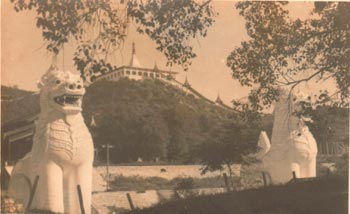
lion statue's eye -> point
(58, 82)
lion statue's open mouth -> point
(69, 100)
(61, 92)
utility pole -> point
(107, 146)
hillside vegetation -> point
(151, 120)
(18, 104)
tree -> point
(286, 52)
(183, 123)
(328, 124)
(135, 131)
(234, 141)
(100, 27)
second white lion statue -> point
(293, 147)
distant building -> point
(135, 71)
(16, 139)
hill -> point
(324, 196)
(153, 120)
(17, 103)
(150, 119)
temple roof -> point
(134, 62)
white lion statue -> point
(293, 147)
(62, 151)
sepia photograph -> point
(175, 107)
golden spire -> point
(134, 62)
(218, 99)
(133, 48)
(187, 84)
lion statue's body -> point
(62, 151)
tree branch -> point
(297, 82)
(204, 4)
(322, 33)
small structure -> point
(16, 139)
(92, 123)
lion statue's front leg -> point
(304, 153)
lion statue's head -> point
(290, 101)
(61, 91)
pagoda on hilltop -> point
(187, 83)
(219, 100)
(135, 71)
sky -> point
(25, 59)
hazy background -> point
(25, 59)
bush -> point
(184, 184)
(137, 183)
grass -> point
(321, 196)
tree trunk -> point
(231, 175)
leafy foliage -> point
(100, 27)
(286, 52)
(233, 141)
(323, 124)
(138, 183)
(171, 23)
